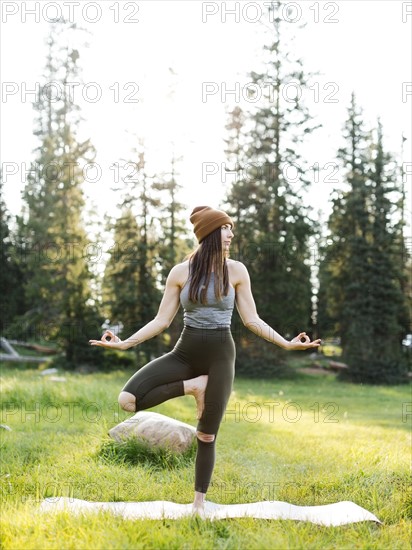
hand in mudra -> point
(302, 342)
(108, 340)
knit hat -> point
(205, 220)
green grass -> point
(308, 441)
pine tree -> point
(52, 229)
(239, 193)
(404, 248)
(274, 227)
(389, 307)
(173, 246)
(360, 275)
(11, 275)
(148, 291)
(120, 283)
(131, 281)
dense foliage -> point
(362, 271)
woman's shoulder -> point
(237, 271)
(235, 265)
(179, 273)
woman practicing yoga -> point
(202, 361)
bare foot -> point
(197, 388)
(199, 394)
(198, 510)
(198, 507)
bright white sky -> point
(368, 50)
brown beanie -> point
(205, 220)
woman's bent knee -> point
(206, 438)
(127, 401)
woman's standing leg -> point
(221, 374)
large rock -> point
(156, 430)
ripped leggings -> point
(198, 351)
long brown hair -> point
(206, 258)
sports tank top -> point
(214, 314)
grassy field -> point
(308, 441)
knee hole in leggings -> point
(127, 401)
(206, 438)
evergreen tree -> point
(121, 276)
(51, 227)
(239, 193)
(131, 281)
(148, 291)
(349, 227)
(173, 247)
(173, 244)
(404, 248)
(360, 274)
(11, 275)
(274, 226)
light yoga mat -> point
(339, 513)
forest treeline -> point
(349, 280)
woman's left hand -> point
(108, 340)
(302, 342)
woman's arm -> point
(168, 308)
(247, 310)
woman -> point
(202, 362)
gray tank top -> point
(214, 314)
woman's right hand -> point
(302, 342)
(108, 340)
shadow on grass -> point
(134, 451)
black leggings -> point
(197, 352)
